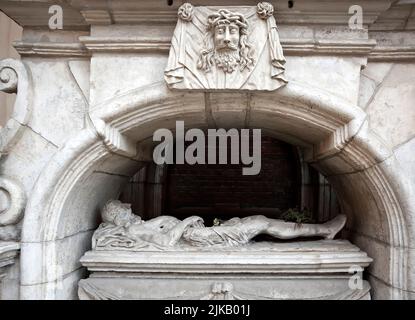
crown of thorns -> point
(226, 16)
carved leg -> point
(289, 230)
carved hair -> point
(223, 16)
(112, 209)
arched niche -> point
(94, 166)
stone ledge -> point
(82, 13)
(290, 46)
(50, 49)
(288, 258)
(91, 44)
(387, 54)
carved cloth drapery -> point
(91, 289)
(188, 41)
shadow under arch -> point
(92, 167)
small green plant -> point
(216, 222)
(298, 216)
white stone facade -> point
(90, 96)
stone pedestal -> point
(301, 270)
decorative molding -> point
(15, 78)
(97, 17)
(321, 17)
(114, 139)
(318, 257)
(391, 54)
(52, 49)
(291, 47)
(318, 269)
(328, 12)
(143, 16)
(82, 13)
(219, 291)
(226, 291)
(332, 47)
(124, 44)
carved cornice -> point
(90, 44)
(386, 54)
(97, 17)
(332, 17)
(283, 261)
(125, 44)
(50, 49)
(106, 17)
(290, 46)
(340, 47)
(327, 12)
(87, 12)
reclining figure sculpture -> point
(122, 228)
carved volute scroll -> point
(13, 202)
(185, 12)
(13, 211)
(217, 48)
(15, 78)
(8, 79)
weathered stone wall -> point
(222, 191)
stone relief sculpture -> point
(226, 43)
(225, 290)
(226, 48)
(122, 229)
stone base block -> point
(301, 270)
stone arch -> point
(91, 168)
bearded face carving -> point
(226, 48)
(226, 44)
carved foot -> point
(335, 225)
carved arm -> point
(176, 232)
